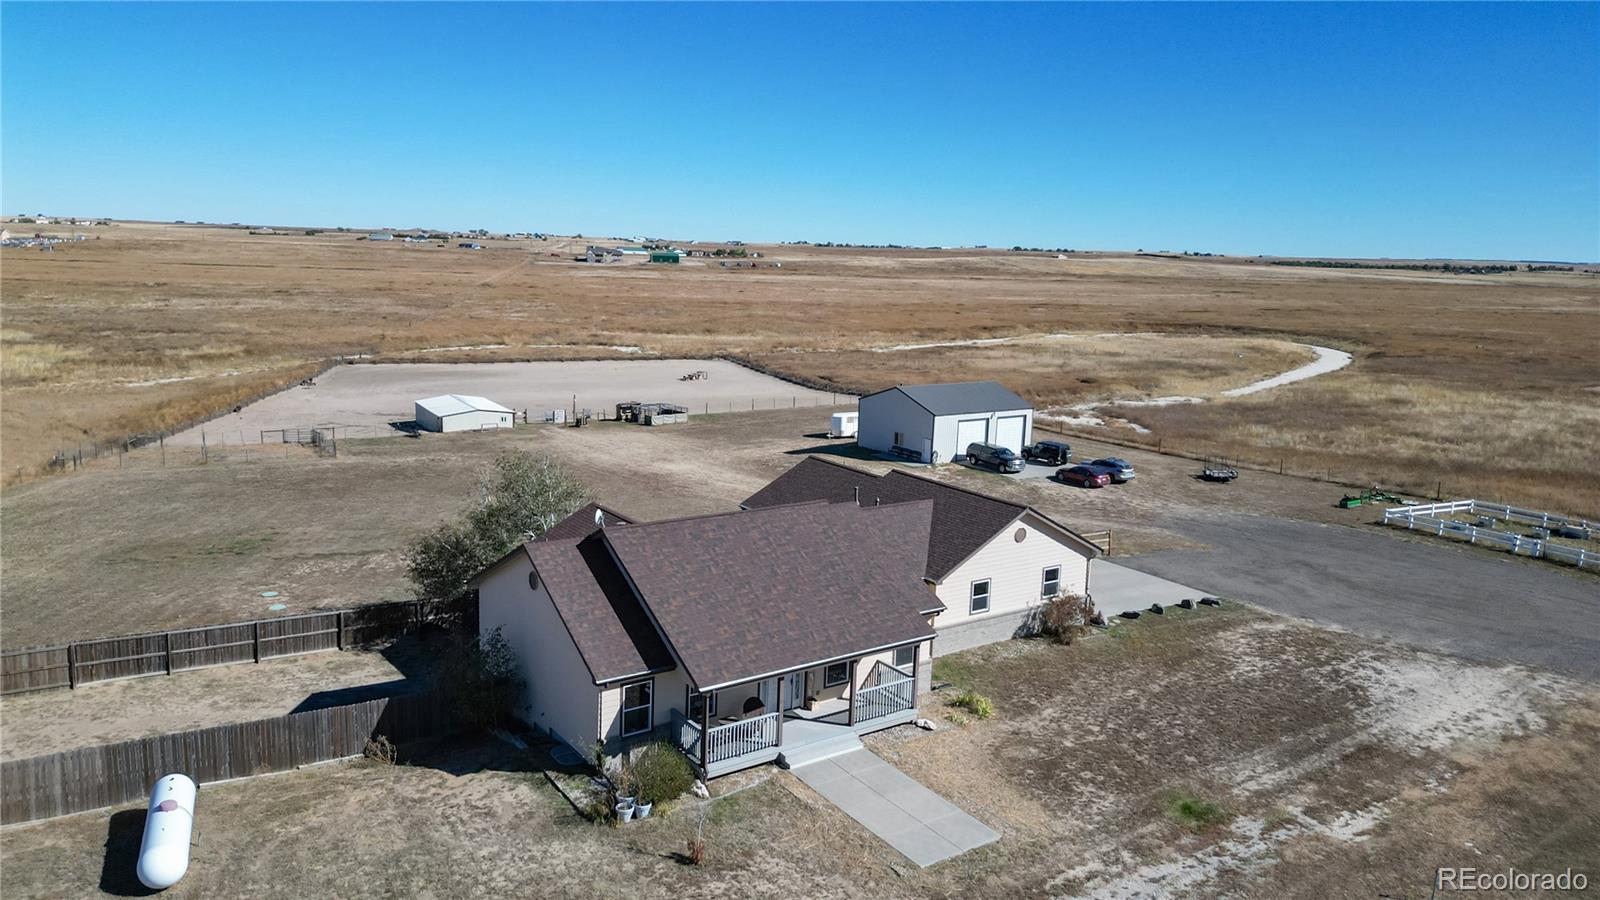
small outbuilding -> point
(843, 424)
(936, 422)
(664, 256)
(462, 412)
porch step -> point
(817, 751)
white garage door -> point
(1011, 432)
(970, 431)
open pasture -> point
(150, 326)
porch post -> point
(781, 680)
(705, 734)
(916, 657)
(852, 718)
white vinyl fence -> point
(1426, 518)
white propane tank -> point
(164, 855)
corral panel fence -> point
(93, 777)
(1427, 519)
(164, 652)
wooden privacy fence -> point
(94, 777)
(165, 652)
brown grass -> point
(144, 302)
(1272, 721)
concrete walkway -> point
(1117, 589)
(920, 824)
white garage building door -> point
(970, 431)
(1011, 431)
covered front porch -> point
(794, 716)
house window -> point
(904, 657)
(980, 597)
(697, 701)
(836, 674)
(1052, 582)
(638, 707)
(899, 439)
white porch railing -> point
(885, 699)
(687, 733)
(741, 737)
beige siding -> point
(559, 695)
(1015, 572)
(668, 695)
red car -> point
(1083, 476)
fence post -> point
(167, 642)
(340, 634)
(255, 640)
(72, 665)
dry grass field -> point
(194, 543)
(1215, 753)
(1489, 378)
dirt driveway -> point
(1472, 603)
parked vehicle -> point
(1083, 476)
(1001, 459)
(1049, 453)
(1120, 470)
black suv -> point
(1001, 459)
(1049, 453)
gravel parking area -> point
(1461, 600)
(378, 394)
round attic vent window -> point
(1021, 535)
(533, 580)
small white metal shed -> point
(843, 424)
(461, 412)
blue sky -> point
(1368, 129)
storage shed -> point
(936, 422)
(461, 412)
(843, 424)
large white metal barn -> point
(461, 412)
(936, 422)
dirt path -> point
(1328, 360)
(1088, 415)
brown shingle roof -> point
(581, 523)
(963, 520)
(745, 594)
(611, 631)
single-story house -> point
(380, 236)
(743, 638)
(601, 254)
(991, 562)
(936, 422)
(461, 412)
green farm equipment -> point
(1372, 495)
